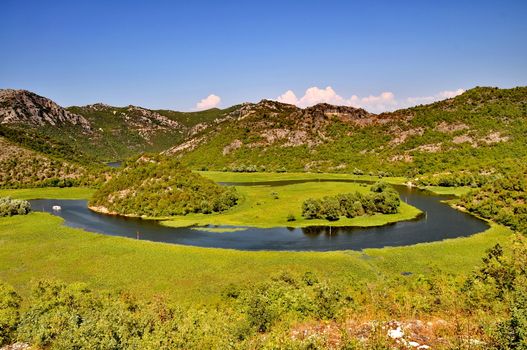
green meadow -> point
(270, 206)
(38, 246)
(48, 193)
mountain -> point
(484, 127)
(99, 131)
(23, 108)
(481, 129)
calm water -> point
(116, 164)
(439, 222)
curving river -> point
(439, 222)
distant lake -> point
(438, 222)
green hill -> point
(480, 129)
(22, 167)
(152, 186)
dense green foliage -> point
(10, 207)
(456, 179)
(46, 145)
(9, 313)
(191, 119)
(122, 132)
(24, 168)
(155, 186)
(293, 311)
(381, 199)
(503, 200)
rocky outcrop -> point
(26, 108)
(274, 123)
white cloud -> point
(385, 101)
(450, 94)
(412, 101)
(288, 97)
(208, 102)
(316, 95)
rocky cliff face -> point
(21, 107)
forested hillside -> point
(153, 185)
(476, 131)
(479, 133)
(21, 167)
(479, 129)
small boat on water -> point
(56, 208)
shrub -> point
(9, 313)
(331, 209)
(311, 208)
(357, 171)
(10, 207)
(381, 199)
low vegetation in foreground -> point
(485, 309)
(156, 186)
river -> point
(438, 222)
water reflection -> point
(439, 222)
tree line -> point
(381, 199)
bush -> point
(9, 313)
(357, 171)
(311, 208)
(331, 209)
(10, 207)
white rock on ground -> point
(396, 333)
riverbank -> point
(38, 246)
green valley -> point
(264, 225)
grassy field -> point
(48, 193)
(456, 191)
(264, 206)
(38, 246)
(220, 176)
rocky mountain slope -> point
(23, 108)
(99, 131)
(482, 127)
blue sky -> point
(173, 54)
